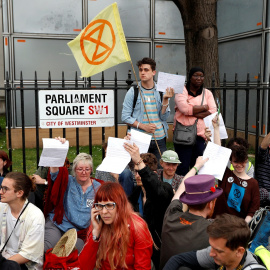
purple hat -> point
(200, 189)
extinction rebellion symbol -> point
(94, 33)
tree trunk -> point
(201, 40)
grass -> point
(30, 153)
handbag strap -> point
(14, 228)
(201, 104)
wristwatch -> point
(46, 183)
(95, 238)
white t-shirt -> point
(13, 242)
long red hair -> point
(114, 237)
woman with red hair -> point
(119, 238)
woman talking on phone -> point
(119, 238)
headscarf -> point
(191, 72)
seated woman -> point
(119, 238)
(241, 196)
(40, 178)
(69, 200)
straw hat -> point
(66, 244)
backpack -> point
(136, 93)
(260, 228)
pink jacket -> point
(184, 109)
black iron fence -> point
(253, 103)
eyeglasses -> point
(198, 76)
(4, 189)
(144, 69)
(87, 170)
(108, 206)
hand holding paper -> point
(54, 153)
(218, 160)
(222, 129)
(166, 80)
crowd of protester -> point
(149, 216)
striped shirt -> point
(151, 107)
(263, 170)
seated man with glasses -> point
(69, 200)
(135, 114)
(22, 223)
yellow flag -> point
(101, 44)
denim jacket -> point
(139, 109)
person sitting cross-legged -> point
(200, 194)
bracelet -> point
(138, 163)
(195, 169)
(138, 125)
(165, 105)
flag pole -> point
(144, 105)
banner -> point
(76, 108)
(101, 44)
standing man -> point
(22, 223)
(228, 237)
(158, 109)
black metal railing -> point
(231, 116)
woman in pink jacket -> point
(119, 238)
(188, 108)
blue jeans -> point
(188, 155)
(154, 150)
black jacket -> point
(158, 197)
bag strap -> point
(201, 105)
(14, 228)
(136, 93)
(253, 266)
(203, 96)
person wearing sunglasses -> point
(69, 200)
(118, 238)
(22, 223)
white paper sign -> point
(218, 160)
(76, 108)
(222, 129)
(117, 158)
(142, 140)
(165, 80)
(54, 153)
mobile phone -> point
(98, 218)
